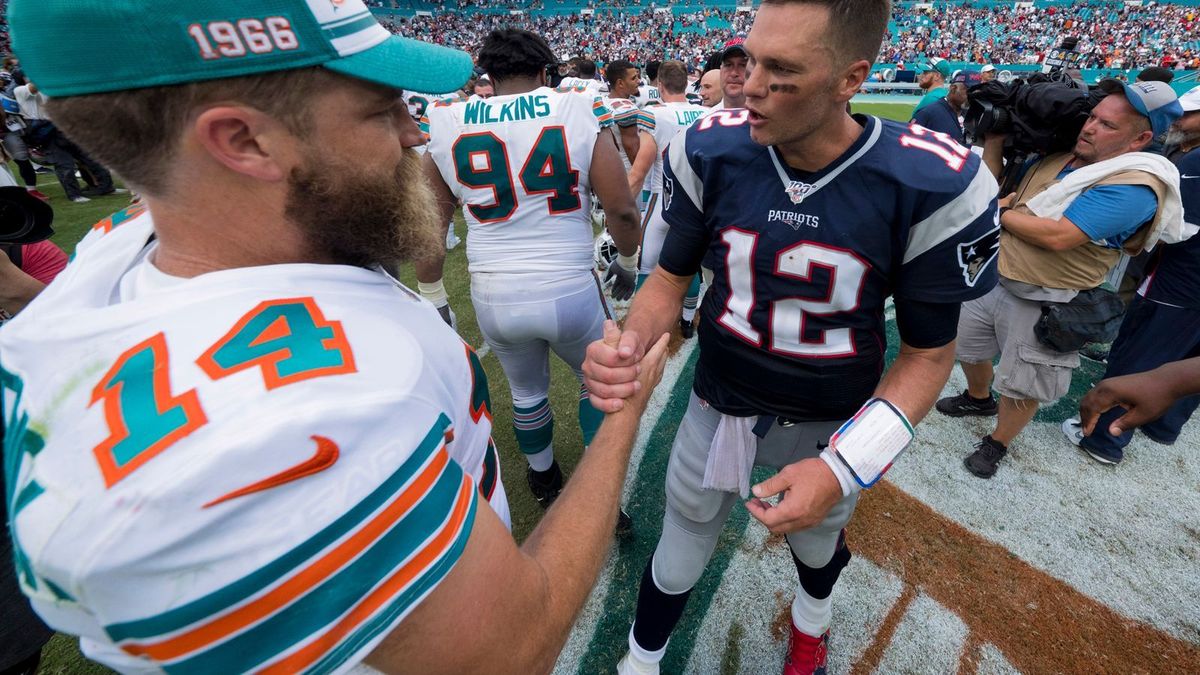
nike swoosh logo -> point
(1185, 176)
(326, 455)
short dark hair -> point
(585, 68)
(616, 70)
(652, 70)
(856, 27)
(512, 52)
(672, 77)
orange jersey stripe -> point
(302, 582)
(394, 585)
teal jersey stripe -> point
(234, 593)
(403, 603)
(342, 30)
(29, 493)
(310, 615)
(19, 440)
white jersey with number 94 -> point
(519, 164)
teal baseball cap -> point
(936, 64)
(79, 47)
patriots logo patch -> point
(797, 191)
(974, 256)
(668, 190)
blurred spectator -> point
(1155, 74)
(1163, 322)
(710, 88)
(933, 82)
(1116, 202)
(945, 114)
(59, 149)
(484, 88)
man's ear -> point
(1142, 141)
(852, 79)
(246, 141)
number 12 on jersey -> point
(847, 273)
(481, 161)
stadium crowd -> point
(1111, 36)
(606, 35)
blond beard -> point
(358, 216)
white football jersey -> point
(252, 469)
(519, 164)
(592, 86)
(663, 122)
(647, 95)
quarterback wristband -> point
(868, 443)
(627, 262)
(434, 292)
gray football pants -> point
(694, 516)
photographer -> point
(59, 149)
(1062, 231)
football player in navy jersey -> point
(811, 219)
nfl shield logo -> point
(797, 191)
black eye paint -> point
(784, 88)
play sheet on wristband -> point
(870, 441)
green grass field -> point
(901, 112)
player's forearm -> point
(916, 378)
(430, 268)
(17, 290)
(657, 305)
(624, 226)
(1047, 233)
(571, 543)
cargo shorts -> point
(1002, 323)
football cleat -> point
(545, 485)
(807, 654)
(687, 329)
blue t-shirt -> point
(803, 262)
(1175, 278)
(1110, 214)
(940, 117)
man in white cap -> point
(233, 442)
(987, 73)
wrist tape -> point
(627, 262)
(434, 292)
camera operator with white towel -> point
(1064, 228)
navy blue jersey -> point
(793, 324)
(1175, 279)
